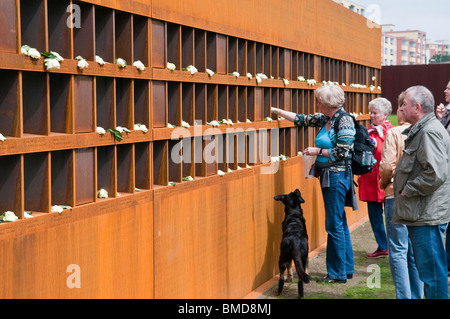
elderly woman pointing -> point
(332, 149)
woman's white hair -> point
(381, 104)
(330, 95)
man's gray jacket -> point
(423, 175)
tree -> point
(438, 58)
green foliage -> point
(117, 135)
(438, 58)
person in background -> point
(336, 179)
(421, 188)
(401, 257)
(369, 184)
(443, 114)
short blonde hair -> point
(381, 104)
(330, 95)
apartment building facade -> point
(403, 47)
(441, 47)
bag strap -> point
(336, 129)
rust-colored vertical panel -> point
(83, 104)
(9, 25)
(84, 175)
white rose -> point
(2, 137)
(27, 215)
(220, 173)
(57, 209)
(230, 122)
(210, 72)
(192, 69)
(121, 62)
(102, 193)
(9, 217)
(170, 125)
(269, 119)
(51, 64)
(24, 49)
(248, 121)
(82, 64)
(236, 74)
(139, 65)
(286, 82)
(188, 179)
(185, 124)
(33, 53)
(58, 57)
(171, 66)
(214, 123)
(122, 129)
(262, 75)
(101, 130)
(99, 60)
(258, 79)
(301, 78)
(249, 75)
(141, 127)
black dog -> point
(294, 245)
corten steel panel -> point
(396, 79)
(320, 26)
(8, 25)
(108, 241)
(222, 237)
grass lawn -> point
(393, 119)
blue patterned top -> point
(342, 142)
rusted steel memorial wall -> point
(136, 163)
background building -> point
(410, 46)
(357, 8)
(441, 48)
(403, 47)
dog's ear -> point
(280, 198)
(300, 198)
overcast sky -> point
(431, 16)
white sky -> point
(430, 16)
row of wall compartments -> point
(65, 103)
(33, 102)
(110, 34)
(72, 177)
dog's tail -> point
(301, 269)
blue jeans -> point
(376, 221)
(447, 245)
(401, 258)
(431, 259)
(339, 257)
